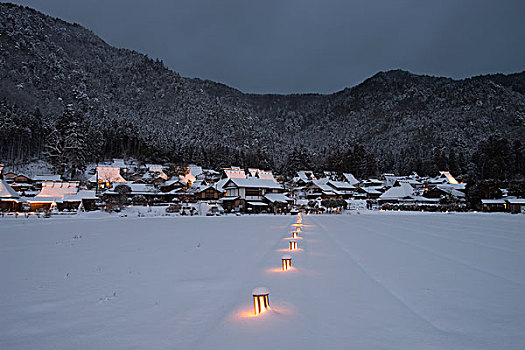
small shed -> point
(494, 205)
(516, 205)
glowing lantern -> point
(293, 244)
(294, 234)
(261, 299)
(287, 262)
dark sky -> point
(287, 46)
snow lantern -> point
(294, 234)
(293, 244)
(261, 300)
(287, 262)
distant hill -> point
(132, 105)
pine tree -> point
(66, 146)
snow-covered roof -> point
(390, 179)
(79, 196)
(305, 175)
(235, 173)
(7, 191)
(404, 190)
(109, 174)
(58, 190)
(371, 189)
(253, 171)
(277, 197)
(451, 190)
(341, 185)
(265, 175)
(55, 178)
(257, 204)
(220, 184)
(516, 201)
(142, 188)
(372, 182)
(493, 201)
(253, 182)
(172, 181)
(155, 171)
(323, 184)
(195, 170)
(449, 177)
(260, 291)
(350, 178)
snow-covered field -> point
(378, 281)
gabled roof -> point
(451, 190)
(449, 177)
(57, 190)
(195, 170)
(323, 185)
(235, 173)
(109, 174)
(154, 172)
(404, 190)
(277, 197)
(220, 184)
(350, 178)
(7, 191)
(305, 175)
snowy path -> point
(394, 281)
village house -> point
(9, 198)
(247, 194)
(52, 194)
(516, 205)
(404, 195)
(106, 176)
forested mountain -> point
(65, 94)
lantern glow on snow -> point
(287, 262)
(261, 300)
(293, 244)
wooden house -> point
(247, 194)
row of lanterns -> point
(261, 295)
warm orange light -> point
(294, 234)
(261, 300)
(293, 245)
(286, 262)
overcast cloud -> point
(287, 46)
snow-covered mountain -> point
(133, 105)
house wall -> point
(516, 208)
